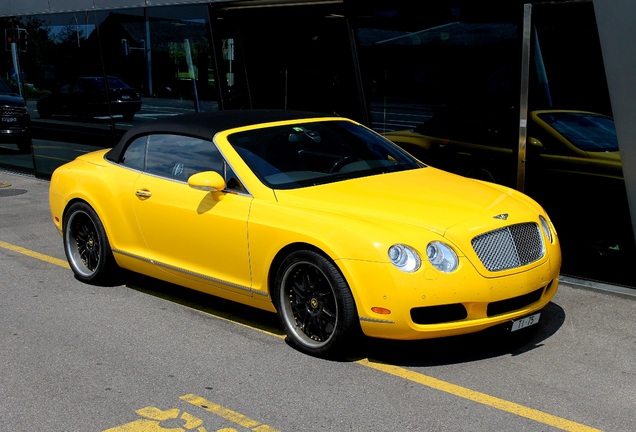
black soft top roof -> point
(206, 125)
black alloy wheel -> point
(315, 304)
(86, 245)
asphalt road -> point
(147, 356)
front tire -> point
(315, 305)
(86, 245)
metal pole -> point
(16, 67)
(148, 54)
(186, 43)
(523, 99)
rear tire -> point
(86, 245)
(24, 145)
(315, 305)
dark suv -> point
(15, 121)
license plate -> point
(525, 322)
(9, 119)
(125, 97)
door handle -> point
(143, 194)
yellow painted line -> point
(434, 383)
(227, 413)
(33, 254)
(482, 398)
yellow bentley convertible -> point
(314, 217)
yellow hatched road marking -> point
(434, 383)
(227, 413)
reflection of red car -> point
(93, 97)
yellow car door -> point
(196, 234)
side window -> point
(134, 154)
(76, 87)
(178, 157)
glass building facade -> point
(511, 92)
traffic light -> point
(17, 36)
(10, 36)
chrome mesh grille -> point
(11, 110)
(509, 247)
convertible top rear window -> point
(307, 154)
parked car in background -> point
(317, 218)
(576, 141)
(15, 122)
(91, 96)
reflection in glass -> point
(89, 76)
(445, 85)
(287, 57)
(15, 122)
(90, 97)
(573, 162)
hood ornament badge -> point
(503, 216)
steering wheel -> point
(340, 163)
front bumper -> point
(429, 304)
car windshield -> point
(113, 83)
(307, 154)
(588, 132)
(4, 87)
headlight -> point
(442, 256)
(405, 258)
(546, 229)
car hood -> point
(11, 99)
(427, 198)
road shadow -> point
(228, 310)
(493, 342)
(490, 343)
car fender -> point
(81, 180)
(340, 237)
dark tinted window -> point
(588, 132)
(178, 157)
(134, 155)
(4, 87)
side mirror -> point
(536, 144)
(209, 181)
